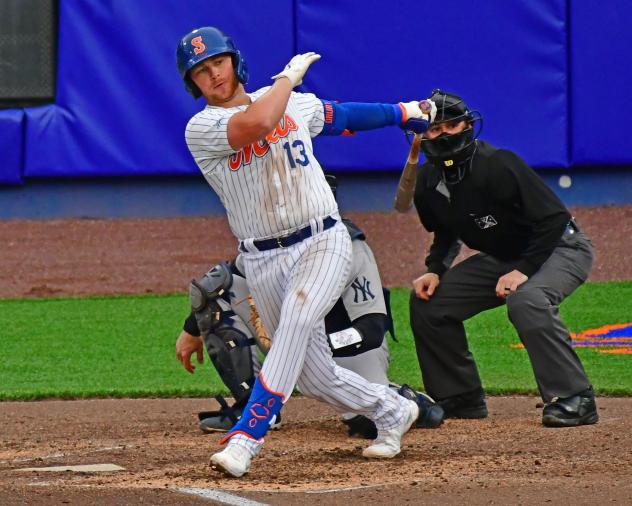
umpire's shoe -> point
(579, 409)
(388, 441)
(468, 405)
(431, 415)
(234, 460)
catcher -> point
(224, 318)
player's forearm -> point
(366, 333)
(260, 118)
(358, 116)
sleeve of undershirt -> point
(348, 117)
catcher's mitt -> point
(261, 336)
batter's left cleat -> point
(388, 442)
(234, 460)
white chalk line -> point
(220, 496)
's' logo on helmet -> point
(198, 45)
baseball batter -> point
(255, 151)
(356, 328)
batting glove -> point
(426, 109)
(417, 116)
(295, 70)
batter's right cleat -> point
(468, 405)
(234, 460)
(431, 415)
(388, 442)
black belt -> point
(288, 240)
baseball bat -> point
(406, 187)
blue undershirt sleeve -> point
(357, 116)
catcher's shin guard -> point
(259, 414)
(230, 349)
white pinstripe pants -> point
(294, 288)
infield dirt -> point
(508, 458)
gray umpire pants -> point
(447, 366)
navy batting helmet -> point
(204, 43)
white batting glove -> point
(295, 70)
(426, 110)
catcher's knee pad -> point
(259, 414)
(203, 294)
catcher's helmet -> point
(449, 152)
(204, 43)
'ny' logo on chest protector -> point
(361, 289)
(485, 221)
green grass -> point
(506, 369)
(124, 346)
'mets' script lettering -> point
(260, 148)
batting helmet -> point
(450, 152)
(204, 43)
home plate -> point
(86, 468)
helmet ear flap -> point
(192, 88)
(241, 67)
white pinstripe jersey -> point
(273, 186)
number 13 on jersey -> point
(296, 153)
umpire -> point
(531, 256)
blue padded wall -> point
(11, 146)
(601, 69)
(121, 108)
(507, 59)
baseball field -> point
(88, 342)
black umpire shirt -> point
(501, 208)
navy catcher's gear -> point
(354, 231)
(229, 348)
(360, 426)
(223, 419)
(203, 294)
(226, 337)
(204, 43)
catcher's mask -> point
(452, 152)
(201, 44)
